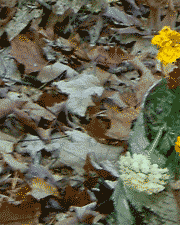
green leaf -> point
(140, 199)
(162, 105)
(157, 158)
(122, 209)
(165, 144)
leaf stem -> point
(156, 140)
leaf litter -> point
(73, 76)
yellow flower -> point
(159, 40)
(177, 146)
(169, 43)
(168, 54)
(165, 31)
(178, 141)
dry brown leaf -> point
(27, 53)
(7, 106)
(117, 101)
(120, 121)
(91, 165)
(125, 116)
(155, 13)
(174, 79)
(86, 216)
(6, 146)
(26, 212)
(74, 41)
(1, 83)
(112, 57)
(51, 72)
(97, 127)
(8, 138)
(8, 3)
(44, 134)
(119, 130)
(170, 18)
(25, 119)
(51, 100)
(52, 20)
(89, 22)
(104, 76)
(22, 192)
(81, 50)
(75, 197)
(129, 98)
(146, 80)
(40, 32)
(8, 14)
(57, 108)
(39, 114)
(32, 120)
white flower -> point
(155, 166)
(134, 181)
(138, 173)
(144, 167)
(135, 166)
(155, 188)
(155, 177)
(141, 177)
(125, 160)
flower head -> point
(177, 146)
(138, 173)
(169, 43)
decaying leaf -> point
(80, 90)
(11, 213)
(42, 189)
(81, 81)
(27, 53)
(51, 72)
(14, 164)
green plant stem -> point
(156, 140)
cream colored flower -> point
(139, 174)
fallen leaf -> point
(129, 98)
(146, 80)
(27, 211)
(41, 116)
(9, 12)
(80, 90)
(8, 106)
(8, 3)
(27, 53)
(112, 57)
(74, 151)
(75, 197)
(42, 189)
(51, 72)
(119, 130)
(14, 164)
